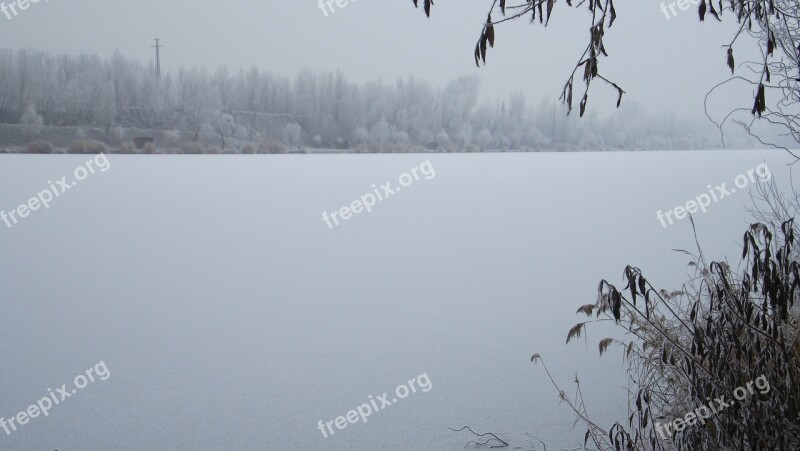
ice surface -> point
(231, 317)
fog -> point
(664, 64)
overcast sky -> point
(663, 64)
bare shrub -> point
(40, 147)
(149, 149)
(249, 149)
(271, 146)
(87, 146)
(128, 148)
(721, 331)
(192, 148)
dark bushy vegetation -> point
(685, 349)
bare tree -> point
(774, 78)
(772, 23)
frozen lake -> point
(231, 316)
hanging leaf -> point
(770, 43)
(484, 40)
(760, 105)
(490, 31)
(427, 6)
(731, 62)
(569, 96)
(541, 15)
(575, 332)
(604, 343)
(583, 110)
(713, 11)
(613, 14)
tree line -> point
(333, 112)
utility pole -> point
(158, 47)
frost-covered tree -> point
(31, 121)
(360, 135)
(241, 133)
(458, 100)
(107, 105)
(223, 125)
(119, 134)
(443, 140)
(292, 135)
(484, 139)
(381, 132)
(400, 138)
(87, 90)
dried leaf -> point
(575, 332)
(604, 343)
(731, 62)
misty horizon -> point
(369, 41)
